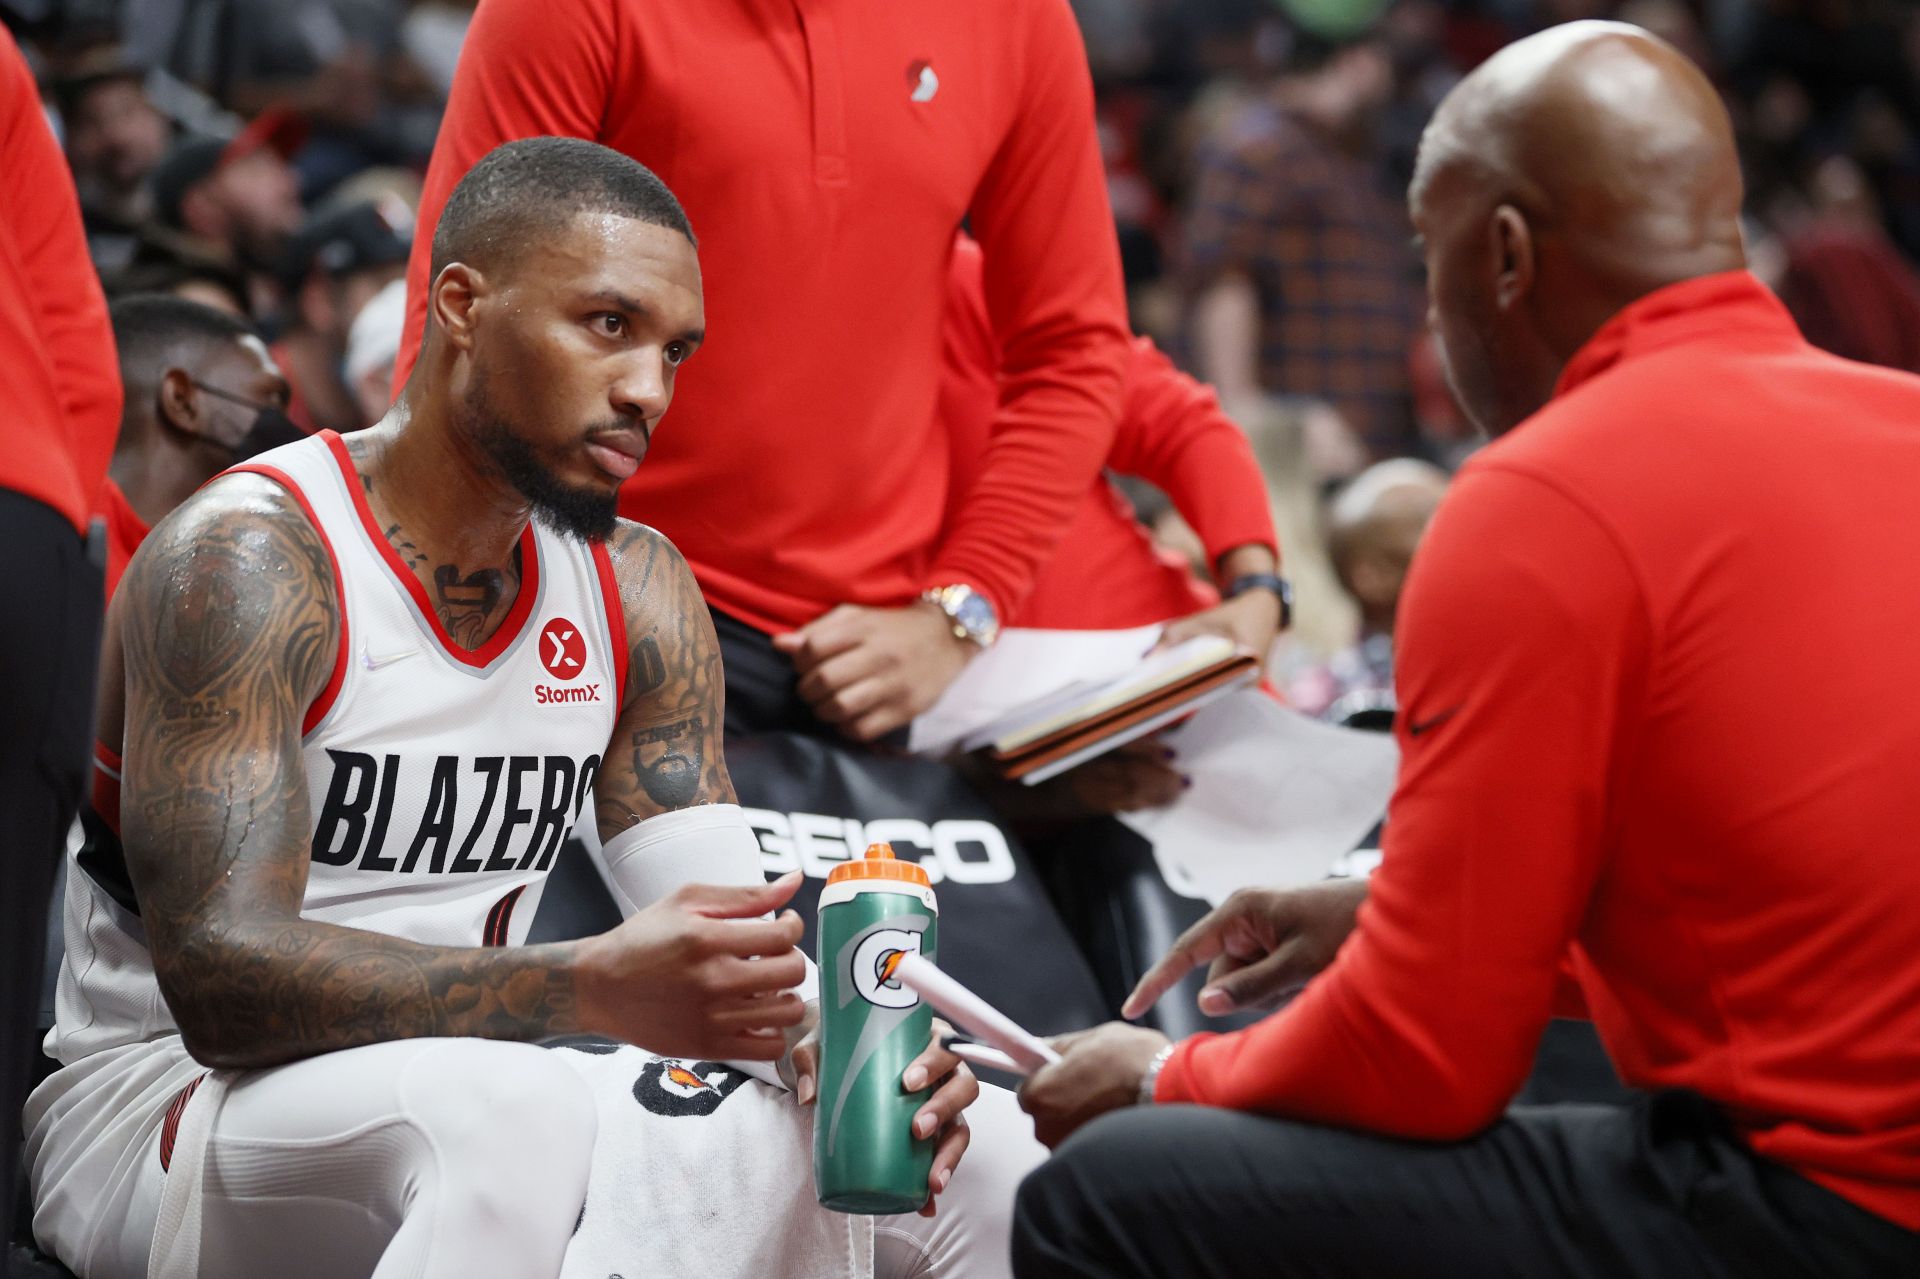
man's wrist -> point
(1150, 1077)
(583, 976)
(969, 614)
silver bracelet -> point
(1152, 1075)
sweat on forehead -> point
(521, 191)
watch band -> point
(1151, 1077)
(1280, 586)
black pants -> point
(49, 647)
(763, 693)
(1659, 1188)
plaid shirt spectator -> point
(1326, 248)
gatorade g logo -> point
(678, 1089)
(875, 961)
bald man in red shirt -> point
(61, 398)
(825, 152)
(1658, 733)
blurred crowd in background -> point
(264, 157)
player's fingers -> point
(949, 1101)
(1198, 945)
(744, 937)
(736, 977)
(934, 1062)
(732, 901)
(806, 1070)
(946, 1157)
(773, 1012)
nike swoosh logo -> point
(375, 663)
(1414, 729)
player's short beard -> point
(584, 513)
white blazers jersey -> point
(442, 781)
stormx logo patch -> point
(562, 651)
(551, 695)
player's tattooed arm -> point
(666, 749)
(230, 628)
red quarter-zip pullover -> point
(1105, 572)
(825, 151)
(1656, 669)
(59, 380)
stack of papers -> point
(1040, 702)
(1277, 799)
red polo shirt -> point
(59, 380)
(1656, 665)
(1106, 573)
(825, 150)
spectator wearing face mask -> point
(201, 394)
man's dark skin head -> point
(195, 380)
(1572, 173)
(566, 294)
(1373, 528)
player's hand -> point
(1138, 775)
(871, 670)
(1251, 620)
(1099, 1070)
(941, 1115)
(800, 1068)
(1261, 944)
(698, 974)
(955, 1089)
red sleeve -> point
(529, 68)
(61, 377)
(1522, 653)
(1054, 294)
(1174, 434)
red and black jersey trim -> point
(495, 933)
(170, 1131)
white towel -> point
(699, 1170)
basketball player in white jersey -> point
(356, 694)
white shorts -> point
(417, 1158)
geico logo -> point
(963, 850)
(874, 961)
(548, 695)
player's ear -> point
(177, 402)
(455, 291)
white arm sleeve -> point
(707, 844)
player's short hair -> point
(534, 185)
(158, 331)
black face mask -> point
(271, 427)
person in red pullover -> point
(1105, 572)
(62, 404)
(825, 152)
(1657, 733)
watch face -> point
(974, 614)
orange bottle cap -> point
(879, 863)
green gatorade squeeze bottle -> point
(873, 912)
